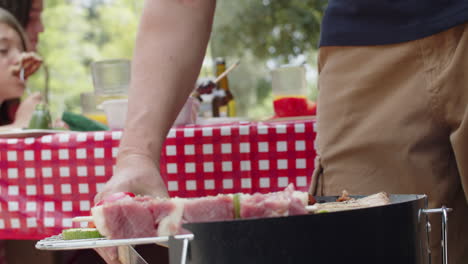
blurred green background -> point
(263, 34)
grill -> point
(394, 233)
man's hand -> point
(135, 173)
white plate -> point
(25, 133)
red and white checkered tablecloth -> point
(46, 181)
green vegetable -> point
(40, 118)
(78, 122)
(322, 212)
(236, 201)
(80, 233)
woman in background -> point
(28, 14)
(16, 65)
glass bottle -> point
(40, 118)
(227, 107)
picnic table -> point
(46, 181)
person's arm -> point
(170, 47)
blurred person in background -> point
(14, 113)
(28, 14)
(13, 60)
(397, 123)
(14, 56)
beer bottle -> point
(228, 107)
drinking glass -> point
(289, 91)
(289, 81)
(111, 78)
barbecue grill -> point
(394, 233)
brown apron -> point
(394, 118)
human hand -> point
(30, 62)
(26, 109)
(136, 173)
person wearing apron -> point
(393, 106)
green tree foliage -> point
(116, 26)
(76, 35)
(280, 29)
(262, 33)
(64, 51)
(265, 34)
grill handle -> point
(444, 213)
(185, 244)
